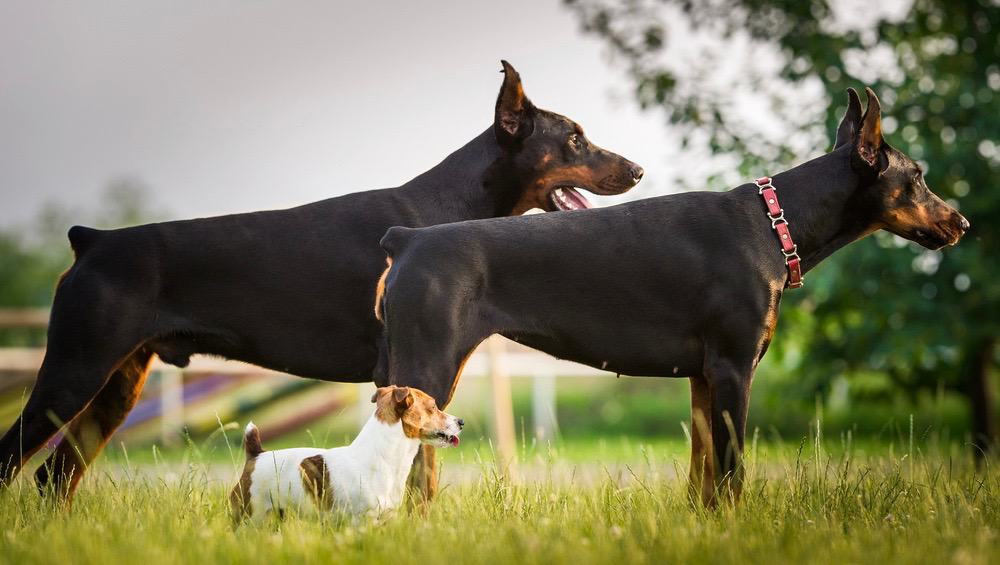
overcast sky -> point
(224, 107)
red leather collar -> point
(777, 216)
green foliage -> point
(918, 316)
(32, 258)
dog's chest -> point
(366, 486)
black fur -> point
(685, 285)
(291, 289)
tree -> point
(31, 260)
(926, 319)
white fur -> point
(368, 477)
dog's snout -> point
(636, 172)
(461, 423)
(963, 223)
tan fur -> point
(771, 320)
(458, 375)
(88, 433)
(316, 481)
(239, 498)
(909, 218)
(536, 196)
(380, 289)
(417, 410)
(423, 479)
(702, 474)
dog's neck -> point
(476, 181)
(824, 204)
(385, 446)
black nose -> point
(637, 173)
(964, 224)
(461, 423)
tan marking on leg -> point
(88, 433)
(380, 289)
(423, 480)
(240, 507)
(316, 480)
(702, 475)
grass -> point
(815, 501)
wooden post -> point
(543, 406)
(364, 403)
(503, 409)
(171, 405)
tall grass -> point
(815, 501)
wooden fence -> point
(497, 359)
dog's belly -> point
(641, 355)
(342, 356)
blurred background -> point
(118, 113)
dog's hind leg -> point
(90, 431)
(85, 346)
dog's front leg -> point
(730, 392)
(701, 484)
(423, 480)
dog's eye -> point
(573, 141)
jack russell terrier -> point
(366, 477)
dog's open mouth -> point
(568, 198)
(449, 439)
(932, 240)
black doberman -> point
(685, 285)
(291, 290)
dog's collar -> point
(780, 225)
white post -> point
(543, 407)
(364, 403)
(503, 408)
(171, 405)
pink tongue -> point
(454, 441)
(568, 198)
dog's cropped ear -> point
(403, 399)
(514, 112)
(869, 141)
(851, 123)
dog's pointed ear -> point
(514, 112)
(403, 399)
(869, 141)
(851, 123)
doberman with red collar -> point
(288, 289)
(685, 285)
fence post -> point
(503, 408)
(364, 403)
(171, 405)
(543, 406)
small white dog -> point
(367, 477)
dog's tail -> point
(395, 240)
(251, 441)
(393, 243)
(82, 238)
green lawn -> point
(589, 502)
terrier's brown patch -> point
(316, 480)
(239, 498)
